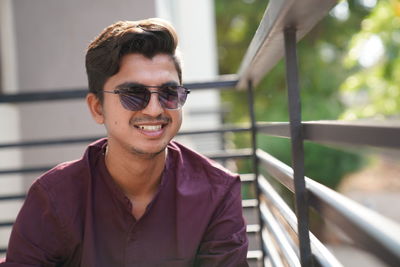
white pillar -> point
(195, 23)
(9, 118)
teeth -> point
(150, 127)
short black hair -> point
(147, 37)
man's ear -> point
(95, 107)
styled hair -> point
(148, 37)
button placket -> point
(133, 234)
(132, 253)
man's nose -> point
(154, 107)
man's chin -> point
(147, 154)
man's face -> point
(145, 132)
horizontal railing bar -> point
(50, 142)
(279, 237)
(12, 197)
(233, 154)
(271, 249)
(321, 253)
(369, 229)
(282, 226)
(6, 224)
(224, 81)
(365, 227)
(356, 133)
(231, 129)
(280, 129)
(38, 169)
(341, 132)
(65, 141)
(43, 96)
(322, 131)
(276, 169)
(229, 154)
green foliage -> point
(373, 89)
(237, 22)
(320, 57)
(328, 165)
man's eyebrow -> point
(134, 84)
(170, 83)
(128, 85)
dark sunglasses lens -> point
(136, 100)
(168, 97)
(172, 97)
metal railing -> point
(285, 22)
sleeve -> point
(225, 241)
(37, 237)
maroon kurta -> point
(75, 215)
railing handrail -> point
(322, 254)
(284, 23)
(361, 223)
(362, 132)
(267, 45)
(290, 254)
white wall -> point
(9, 118)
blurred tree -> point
(320, 54)
(373, 89)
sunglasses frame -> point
(128, 92)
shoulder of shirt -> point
(70, 174)
(200, 165)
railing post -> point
(301, 198)
(250, 100)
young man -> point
(135, 198)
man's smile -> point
(149, 127)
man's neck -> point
(136, 175)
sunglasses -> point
(137, 97)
